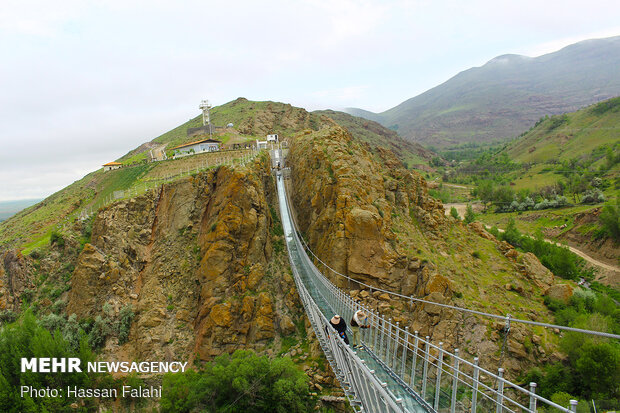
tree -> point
(504, 195)
(610, 219)
(28, 339)
(470, 216)
(598, 369)
(242, 382)
(455, 213)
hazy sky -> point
(83, 82)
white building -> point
(272, 138)
(206, 145)
(111, 165)
(261, 144)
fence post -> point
(500, 390)
(394, 357)
(381, 332)
(425, 370)
(375, 333)
(474, 394)
(573, 405)
(532, 398)
(455, 380)
(403, 361)
(386, 356)
(438, 381)
(414, 358)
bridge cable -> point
(463, 309)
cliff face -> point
(346, 205)
(193, 261)
(368, 217)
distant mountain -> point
(507, 95)
(10, 208)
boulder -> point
(560, 292)
(534, 270)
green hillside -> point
(251, 120)
(374, 134)
(565, 144)
(567, 136)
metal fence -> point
(144, 186)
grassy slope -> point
(584, 131)
(583, 136)
(375, 134)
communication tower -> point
(205, 106)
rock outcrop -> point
(195, 261)
(14, 279)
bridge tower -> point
(205, 106)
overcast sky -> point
(83, 82)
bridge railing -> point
(443, 379)
(360, 384)
(363, 388)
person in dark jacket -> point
(340, 326)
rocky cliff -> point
(370, 218)
(195, 260)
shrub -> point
(558, 259)
(57, 239)
(245, 380)
(470, 216)
(610, 220)
(7, 316)
(27, 338)
(454, 213)
(98, 333)
(592, 196)
(126, 317)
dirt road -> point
(461, 208)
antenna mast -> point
(205, 106)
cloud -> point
(85, 82)
(37, 17)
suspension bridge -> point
(397, 370)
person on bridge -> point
(359, 320)
(340, 326)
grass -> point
(33, 225)
(375, 135)
(584, 132)
(531, 222)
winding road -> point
(461, 208)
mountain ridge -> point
(506, 95)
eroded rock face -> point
(14, 279)
(534, 270)
(345, 205)
(193, 260)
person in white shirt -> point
(359, 320)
